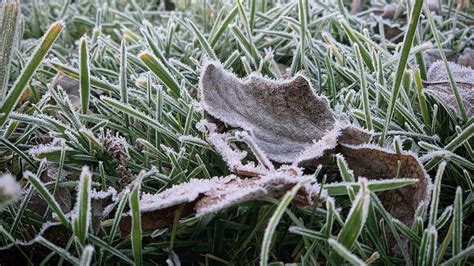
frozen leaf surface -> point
(290, 124)
(204, 196)
(285, 118)
(438, 84)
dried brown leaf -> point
(438, 84)
(204, 196)
(289, 123)
(373, 162)
(285, 118)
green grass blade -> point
(435, 194)
(405, 52)
(340, 188)
(136, 234)
(21, 83)
(275, 220)
(81, 219)
(60, 251)
(87, 254)
(43, 191)
(468, 252)
(363, 87)
(452, 83)
(202, 40)
(84, 76)
(457, 223)
(345, 253)
(356, 218)
(10, 19)
(161, 72)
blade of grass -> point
(81, 218)
(161, 72)
(345, 253)
(363, 87)
(84, 76)
(21, 83)
(356, 218)
(10, 19)
(202, 40)
(457, 223)
(43, 191)
(87, 254)
(136, 233)
(435, 194)
(275, 220)
(452, 83)
(407, 44)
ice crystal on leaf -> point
(204, 196)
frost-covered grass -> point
(133, 124)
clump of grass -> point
(138, 68)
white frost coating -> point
(283, 116)
(10, 190)
(189, 138)
(232, 157)
(103, 195)
(178, 194)
(110, 192)
(230, 195)
(41, 149)
(328, 142)
(218, 193)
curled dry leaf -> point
(286, 119)
(373, 162)
(291, 124)
(438, 84)
(204, 196)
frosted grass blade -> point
(20, 85)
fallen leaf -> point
(204, 196)
(290, 124)
(372, 162)
(438, 84)
(285, 118)
(102, 203)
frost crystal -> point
(204, 196)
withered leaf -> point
(204, 196)
(285, 118)
(438, 84)
(373, 162)
(102, 203)
(289, 123)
